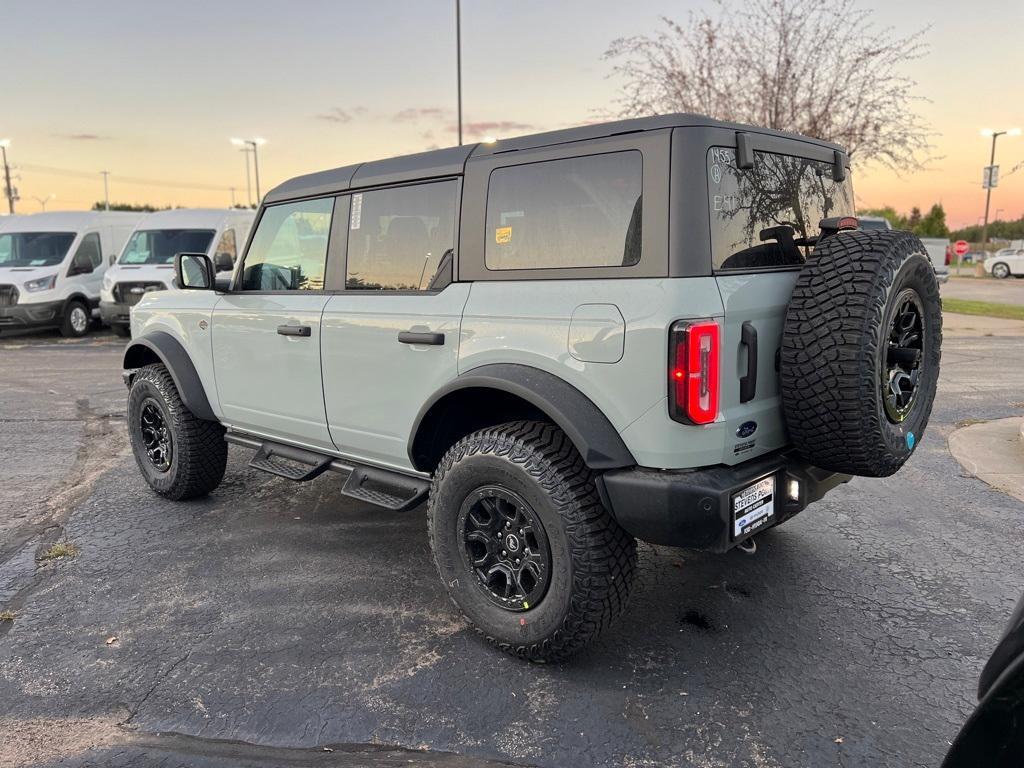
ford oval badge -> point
(746, 429)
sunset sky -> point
(152, 92)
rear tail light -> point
(949, 256)
(693, 366)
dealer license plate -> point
(753, 508)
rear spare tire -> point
(860, 352)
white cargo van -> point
(52, 265)
(147, 261)
(939, 253)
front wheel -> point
(523, 544)
(76, 320)
(1000, 271)
(180, 455)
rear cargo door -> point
(763, 209)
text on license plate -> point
(753, 507)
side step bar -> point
(382, 487)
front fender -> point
(175, 359)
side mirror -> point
(80, 268)
(193, 271)
(224, 262)
(112, 259)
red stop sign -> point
(961, 247)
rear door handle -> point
(295, 330)
(418, 337)
(748, 383)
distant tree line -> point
(931, 224)
(997, 230)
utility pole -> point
(7, 176)
(233, 192)
(989, 176)
(106, 190)
(458, 60)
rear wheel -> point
(1000, 271)
(523, 544)
(76, 319)
(180, 455)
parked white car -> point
(52, 265)
(147, 262)
(1009, 262)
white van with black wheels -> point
(147, 261)
(52, 265)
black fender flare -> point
(597, 440)
(177, 362)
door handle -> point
(295, 330)
(418, 337)
(748, 382)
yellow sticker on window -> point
(503, 235)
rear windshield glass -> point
(34, 249)
(759, 215)
(159, 246)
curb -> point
(993, 452)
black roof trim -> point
(439, 163)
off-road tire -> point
(835, 351)
(593, 560)
(199, 452)
(1000, 270)
(67, 327)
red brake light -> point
(694, 371)
(949, 255)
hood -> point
(134, 272)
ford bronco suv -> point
(668, 329)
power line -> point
(123, 179)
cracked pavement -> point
(271, 620)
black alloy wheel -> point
(506, 547)
(156, 437)
(905, 352)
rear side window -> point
(398, 237)
(289, 250)
(578, 212)
(759, 216)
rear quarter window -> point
(759, 215)
(559, 214)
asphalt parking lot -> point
(272, 620)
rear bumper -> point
(45, 314)
(693, 508)
(113, 313)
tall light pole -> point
(4, 144)
(458, 61)
(106, 190)
(252, 145)
(991, 163)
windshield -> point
(34, 249)
(159, 246)
(762, 216)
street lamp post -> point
(251, 145)
(4, 143)
(106, 189)
(44, 200)
(991, 163)
(458, 61)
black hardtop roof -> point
(439, 163)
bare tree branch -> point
(817, 67)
